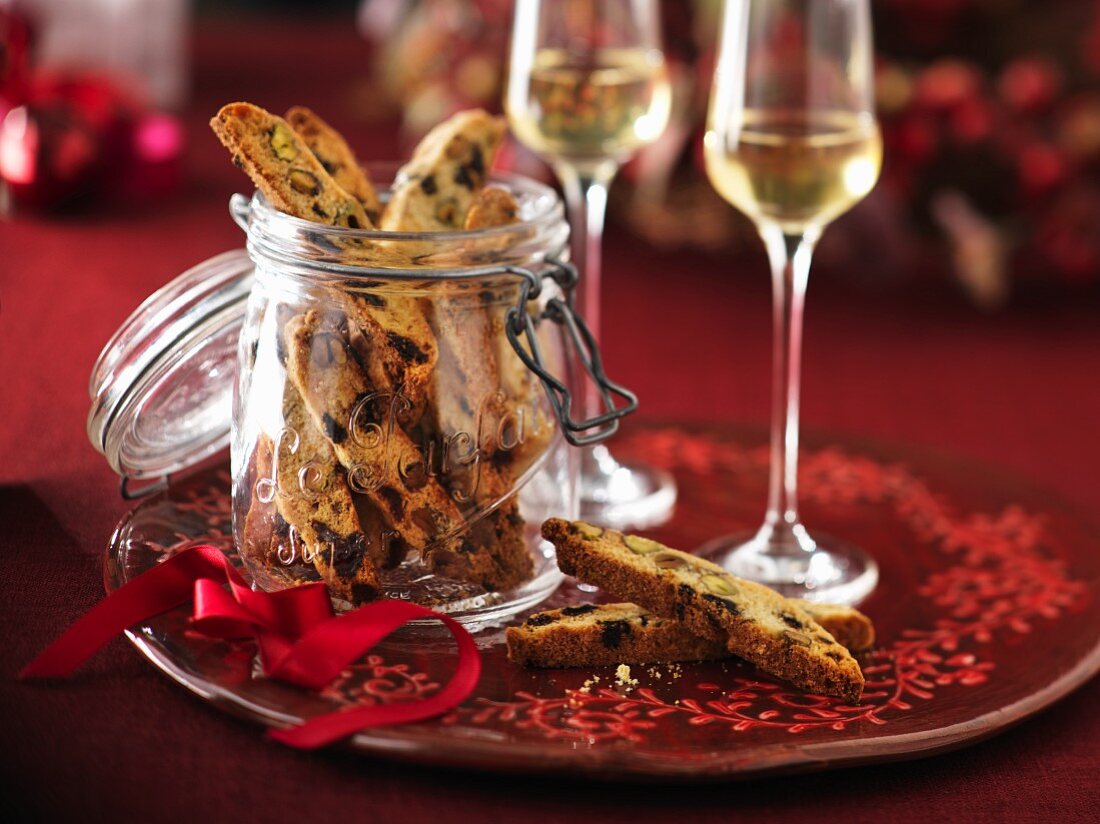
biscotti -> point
(385, 466)
(491, 208)
(266, 539)
(754, 622)
(280, 164)
(397, 332)
(605, 635)
(435, 189)
(283, 168)
(609, 634)
(337, 158)
(494, 207)
(382, 461)
(849, 627)
(395, 327)
(493, 552)
(454, 157)
(323, 512)
(291, 530)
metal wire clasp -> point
(519, 323)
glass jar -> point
(400, 419)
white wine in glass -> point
(593, 107)
(792, 142)
(587, 87)
(797, 170)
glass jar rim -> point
(291, 242)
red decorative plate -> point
(987, 611)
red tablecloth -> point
(689, 332)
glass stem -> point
(790, 261)
(586, 201)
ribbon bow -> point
(300, 640)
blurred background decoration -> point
(990, 111)
(86, 91)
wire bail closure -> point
(519, 323)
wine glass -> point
(792, 142)
(587, 87)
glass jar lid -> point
(162, 388)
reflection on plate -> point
(975, 568)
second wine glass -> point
(587, 87)
(792, 142)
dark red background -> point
(689, 332)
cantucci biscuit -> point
(334, 154)
(436, 191)
(403, 349)
(491, 208)
(291, 532)
(755, 622)
(283, 168)
(381, 460)
(436, 188)
(608, 634)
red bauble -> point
(47, 155)
(71, 137)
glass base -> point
(624, 496)
(821, 568)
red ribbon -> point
(300, 640)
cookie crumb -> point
(622, 677)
